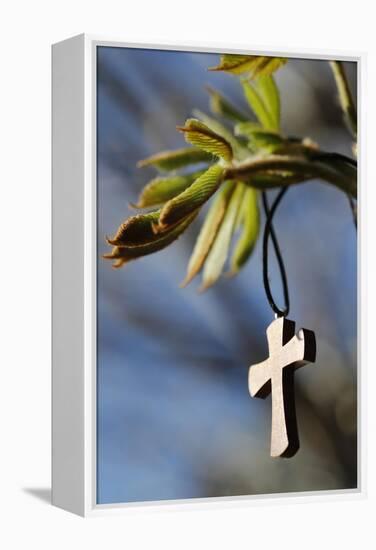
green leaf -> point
(247, 128)
(220, 105)
(222, 131)
(258, 137)
(255, 65)
(267, 66)
(122, 255)
(250, 218)
(345, 96)
(257, 105)
(192, 198)
(270, 95)
(219, 251)
(209, 231)
(172, 160)
(200, 135)
(160, 190)
(136, 230)
(235, 63)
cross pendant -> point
(287, 352)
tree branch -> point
(301, 169)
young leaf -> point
(256, 65)
(136, 230)
(172, 160)
(218, 254)
(192, 198)
(217, 127)
(222, 106)
(200, 135)
(209, 231)
(123, 255)
(270, 95)
(250, 218)
(160, 190)
(247, 128)
(236, 64)
(344, 95)
(267, 141)
(268, 66)
(259, 138)
(257, 105)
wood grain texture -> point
(287, 352)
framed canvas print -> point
(206, 335)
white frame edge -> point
(74, 281)
(68, 382)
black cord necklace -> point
(269, 232)
(287, 351)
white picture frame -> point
(74, 282)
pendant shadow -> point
(41, 493)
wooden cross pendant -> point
(287, 352)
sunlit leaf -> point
(250, 225)
(122, 255)
(235, 63)
(255, 65)
(160, 190)
(220, 105)
(222, 131)
(269, 93)
(200, 135)
(268, 66)
(257, 105)
(247, 128)
(209, 230)
(192, 198)
(258, 137)
(172, 160)
(216, 259)
(345, 96)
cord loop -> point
(269, 232)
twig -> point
(304, 168)
(344, 93)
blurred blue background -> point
(175, 419)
